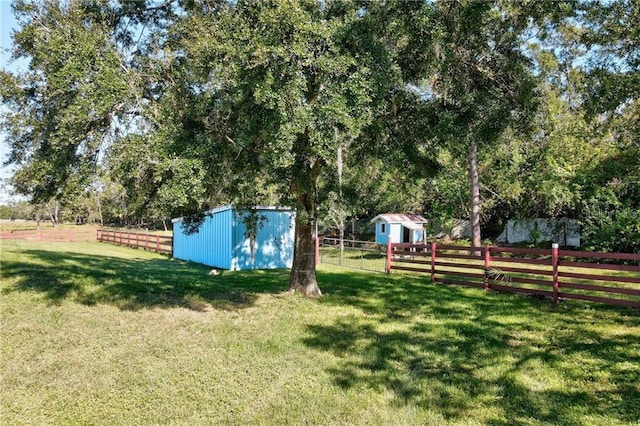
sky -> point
(7, 23)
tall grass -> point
(101, 334)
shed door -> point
(406, 235)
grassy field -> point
(98, 334)
(29, 225)
(46, 225)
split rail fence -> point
(50, 235)
(612, 278)
(144, 240)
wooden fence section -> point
(612, 278)
(50, 235)
(145, 240)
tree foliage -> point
(283, 86)
(479, 81)
(63, 108)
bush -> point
(610, 225)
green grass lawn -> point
(93, 333)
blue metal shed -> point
(222, 240)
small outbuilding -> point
(564, 231)
(401, 228)
(225, 240)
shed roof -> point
(231, 206)
(407, 220)
(412, 225)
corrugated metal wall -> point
(273, 247)
(221, 241)
(211, 245)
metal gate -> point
(353, 254)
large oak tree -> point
(300, 79)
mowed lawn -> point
(97, 334)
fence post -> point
(487, 265)
(317, 243)
(98, 234)
(554, 263)
(387, 263)
(433, 261)
(146, 239)
(157, 243)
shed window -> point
(383, 228)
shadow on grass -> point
(460, 352)
(133, 284)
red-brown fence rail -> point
(144, 240)
(612, 278)
(49, 235)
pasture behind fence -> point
(612, 278)
(353, 254)
(141, 240)
(50, 235)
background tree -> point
(480, 80)
(61, 111)
(81, 92)
(611, 37)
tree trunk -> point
(303, 272)
(476, 238)
(305, 181)
(341, 229)
(340, 211)
(306, 170)
(98, 202)
(54, 215)
(353, 227)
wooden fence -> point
(612, 278)
(145, 240)
(49, 235)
